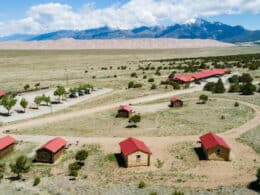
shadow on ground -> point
(200, 153)
(120, 160)
(255, 186)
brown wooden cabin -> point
(215, 147)
(124, 111)
(51, 151)
(135, 153)
(7, 144)
(175, 102)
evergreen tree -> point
(219, 87)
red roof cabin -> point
(51, 151)
(124, 111)
(175, 102)
(215, 147)
(135, 152)
(7, 144)
(2, 94)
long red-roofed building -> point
(135, 152)
(7, 144)
(51, 151)
(215, 147)
(204, 74)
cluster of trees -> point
(242, 84)
(43, 98)
(80, 158)
(217, 87)
(174, 84)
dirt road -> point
(240, 170)
(66, 116)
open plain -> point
(171, 133)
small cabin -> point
(124, 111)
(7, 144)
(215, 147)
(51, 151)
(175, 102)
(135, 153)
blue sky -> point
(38, 16)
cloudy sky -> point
(40, 16)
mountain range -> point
(199, 29)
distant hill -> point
(199, 29)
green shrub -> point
(110, 157)
(74, 166)
(210, 86)
(134, 74)
(141, 184)
(81, 155)
(153, 193)
(235, 87)
(219, 87)
(153, 86)
(177, 193)
(74, 173)
(138, 85)
(236, 104)
(150, 80)
(37, 180)
(248, 89)
(204, 98)
(130, 84)
(159, 163)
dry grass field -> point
(52, 67)
(101, 173)
(181, 167)
(169, 122)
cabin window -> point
(218, 152)
(138, 158)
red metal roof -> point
(125, 108)
(6, 141)
(175, 99)
(54, 145)
(131, 145)
(183, 78)
(211, 140)
(200, 75)
(2, 93)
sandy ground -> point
(115, 44)
(217, 173)
(239, 171)
(43, 109)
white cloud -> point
(55, 16)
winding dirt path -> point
(65, 116)
(239, 171)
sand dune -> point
(114, 44)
